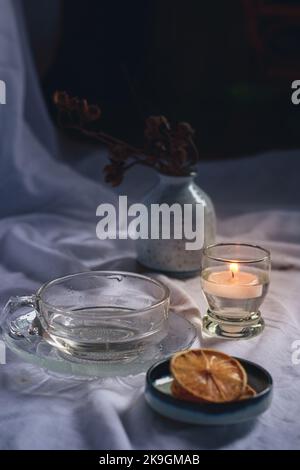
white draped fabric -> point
(47, 229)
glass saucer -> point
(21, 336)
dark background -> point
(224, 66)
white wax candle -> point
(232, 284)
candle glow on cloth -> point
(232, 283)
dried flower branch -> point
(169, 151)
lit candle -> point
(232, 283)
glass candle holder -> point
(235, 279)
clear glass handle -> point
(10, 311)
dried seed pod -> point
(114, 174)
(172, 152)
(119, 152)
(184, 130)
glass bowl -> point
(99, 315)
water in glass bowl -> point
(105, 333)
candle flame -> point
(234, 268)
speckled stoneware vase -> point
(170, 256)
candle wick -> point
(232, 274)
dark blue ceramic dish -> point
(158, 396)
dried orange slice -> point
(248, 393)
(209, 375)
(180, 393)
